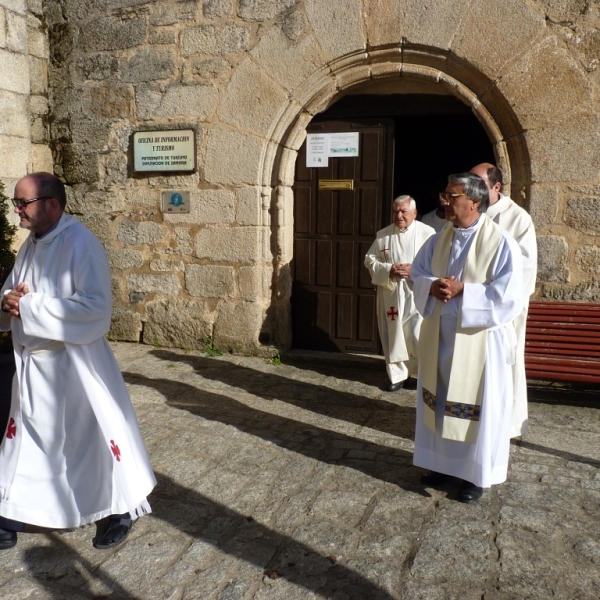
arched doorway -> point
(409, 144)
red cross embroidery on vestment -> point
(11, 431)
(384, 250)
(392, 313)
(115, 450)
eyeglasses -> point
(21, 204)
(449, 197)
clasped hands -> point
(10, 301)
(400, 270)
(446, 288)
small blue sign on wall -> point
(175, 202)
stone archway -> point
(333, 81)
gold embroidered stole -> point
(462, 410)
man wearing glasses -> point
(72, 452)
(468, 287)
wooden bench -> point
(562, 341)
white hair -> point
(412, 204)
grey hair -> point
(474, 188)
(412, 204)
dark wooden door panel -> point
(333, 300)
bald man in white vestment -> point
(72, 452)
(389, 262)
(468, 287)
(516, 220)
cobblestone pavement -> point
(295, 481)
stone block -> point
(82, 201)
(178, 323)
(473, 39)
(14, 109)
(14, 72)
(15, 157)
(215, 40)
(262, 10)
(207, 206)
(16, 32)
(142, 234)
(184, 100)
(211, 68)
(112, 33)
(238, 325)
(587, 259)
(543, 79)
(37, 43)
(99, 225)
(184, 241)
(112, 169)
(209, 281)
(294, 24)
(144, 198)
(172, 13)
(168, 266)
(39, 131)
(232, 157)
(552, 259)
(254, 284)
(216, 9)
(252, 100)
(98, 66)
(126, 324)
(121, 259)
(38, 105)
(338, 24)
(41, 158)
(161, 284)
(583, 215)
(543, 204)
(287, 62)
(2, 28)
(111, 101)
(566, 150)
(384, 22)
(588, 291)
(162, 37)
(229, 244)
(148, 64)
(248, 209)
(36, 7)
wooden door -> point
(333, 300)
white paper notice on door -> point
(343, 144)
(317, 150)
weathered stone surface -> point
(238, 325)
(85, 202)
(144, 233)
(543, 205)
(214, 40)
(229, 244)
(294, 24)
(111, 101)
(148, 64)
(252, 100)
(588, 259)
(37, 43)
(162, 37)
(262, 10)
(588, 291)
(552, 258)
(199, 100)
(126, 325)
(207, 206)
(248, 206)
(172, 13)
(162, 284)
(168, 266)
(232, 157)
(16, 32)
(216, 9)
(10, 65)
(15, 111)
(254, 284)
(124, 258)
(583, 214)
(338, 25)
(211, 68)
(41, 158)
(14, 156)
(209, 281)
(177, 323)
(2, 29)
(100, 226)
(38, 73)
(98, 66)
(288, 63)
(112, 33)
(384, 22)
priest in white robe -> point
(389, 262)
(468, 287)
(72, 453)
(516, 221)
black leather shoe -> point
(113, 533)
(394, 387)
(8, 539)
(469, 492)
(434, 478)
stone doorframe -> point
(325, 87)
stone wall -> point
(248, 76)
(23, 92)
